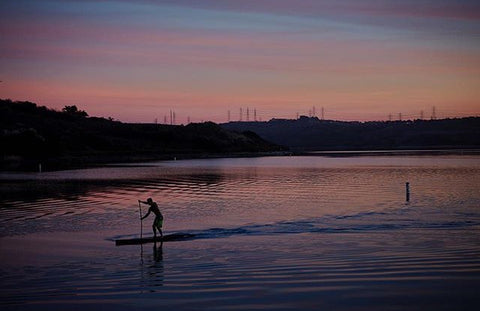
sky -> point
(138, 60)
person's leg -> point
(159, 225)
(154, 231)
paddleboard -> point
(166, 238)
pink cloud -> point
(272, 52)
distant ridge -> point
(33, 135)
(310, 133)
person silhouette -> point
(158, 221)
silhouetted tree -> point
(73, 110)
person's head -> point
(149, 200)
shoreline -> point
(78, 162)
(16, 164)
(394, 152)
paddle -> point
(141, 220)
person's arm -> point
(148, 213)
(143, 202)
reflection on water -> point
(152, 267)
(277, 233)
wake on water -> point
(357, 223)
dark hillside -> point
(314, 134)
(31, 134)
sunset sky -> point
(137, 60)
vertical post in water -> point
(39, 167)
(407, 191)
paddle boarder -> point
(158, 221)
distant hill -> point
(310, 133)
(31, 135)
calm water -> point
(271, 233)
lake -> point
(278, 233)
